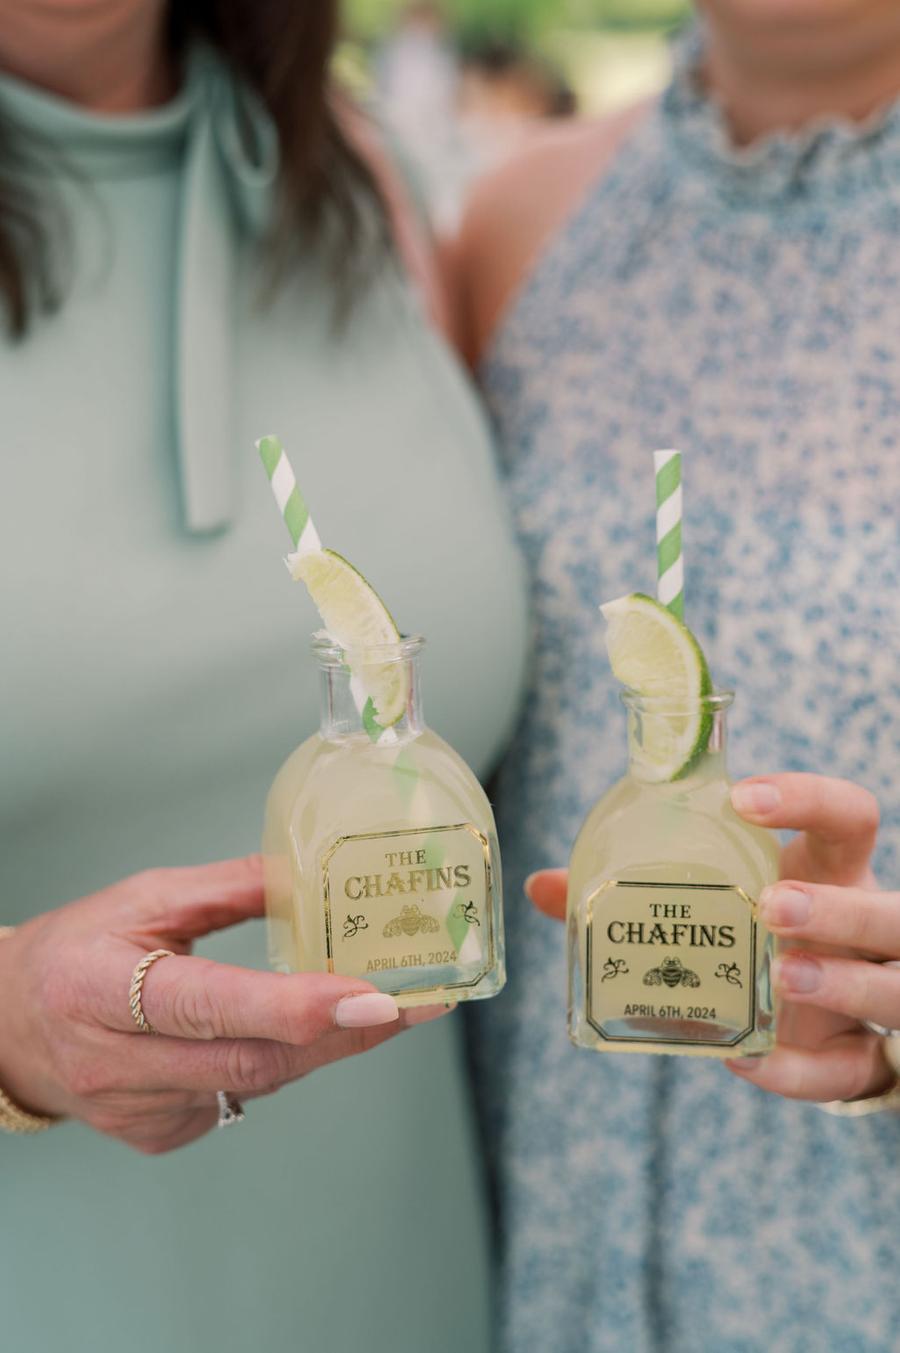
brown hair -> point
(282, 50)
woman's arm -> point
(513, 213)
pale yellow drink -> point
(666, 953)
(381, 856)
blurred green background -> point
(609, 51)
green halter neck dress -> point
(155, 675)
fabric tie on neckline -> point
(230, 173)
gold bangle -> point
(888, 1099)
(12, 1118)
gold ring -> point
(137, 982)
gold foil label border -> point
(686, 887)
(417, 831)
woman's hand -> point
(836, 931)
(831, 972)
(69, 1046)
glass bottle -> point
(380, 852)
(666, 953)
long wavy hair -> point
(282, 49)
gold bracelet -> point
(12, 1118)
(883, 1103)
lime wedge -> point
(356, 618)
(656, 656)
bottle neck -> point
(347, 709)
(650, 729)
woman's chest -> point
(155, 678)
(775, 367)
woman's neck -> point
(107, 55)
(792, 76)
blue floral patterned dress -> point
(744, 306)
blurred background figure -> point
(462, 84)
(416, 71)
(505, 92)
(505, 83)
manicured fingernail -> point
(421, 1014)
(755, 798)
(793, 972)
(366, 1010)
(746, 1064)
(786, 907)
(527, 887)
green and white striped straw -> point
(669, 560)
(291, 503)
(305, 537)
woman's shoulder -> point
(411, 233)
(513, 213)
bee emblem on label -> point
(673, 973)
(411, 920)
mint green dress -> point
(155, 675)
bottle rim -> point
(714, 702)
(329, 653)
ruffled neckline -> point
(832, 157)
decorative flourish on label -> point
(731, 972)
(467, 911)
(411, 920)
(673, 972)
(613, 967)
(353, 925)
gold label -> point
(671, 963)
(396, 901)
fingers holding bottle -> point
(547, 889)
(837, 821)
(69, 1043)
(863, 920)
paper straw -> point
(669, 560)
(305, 537)
(291, 503)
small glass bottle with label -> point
(666, 951)
(380, 850)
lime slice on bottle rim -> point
(656, 657)
(357, 619)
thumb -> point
(183, 904)
(547, 890)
